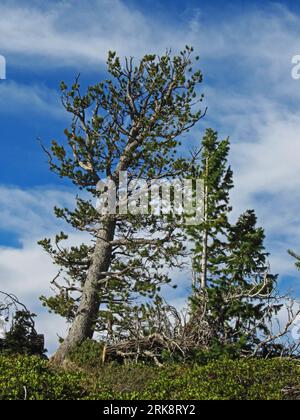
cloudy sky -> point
(246, 50)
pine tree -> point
(230, 261)
(130, 123)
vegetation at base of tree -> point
(89, 354)
(31, 378)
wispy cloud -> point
(24, 100)
(69, 32)
(30, 213)
(27, 271)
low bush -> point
(23, 377)
(228, 380)
(31, 378)
(88, 355)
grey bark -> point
(83, 326)
(203, 277)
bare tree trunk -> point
(203, 277)
(83, 326)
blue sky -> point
(245, 49)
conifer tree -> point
(216, 176)
(132, 122)
(230, 261)
(21, 337)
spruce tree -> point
(230, 261)
(216, 176)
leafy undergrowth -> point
(33, 379)
(24, 377)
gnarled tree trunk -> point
(83, 325)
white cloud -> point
(30, 213)
(24, 100)
(27, 271)
(70, 32)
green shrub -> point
(89, 354)
(123, 381)
(227, 380)
(218, 380)
(31, 378)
